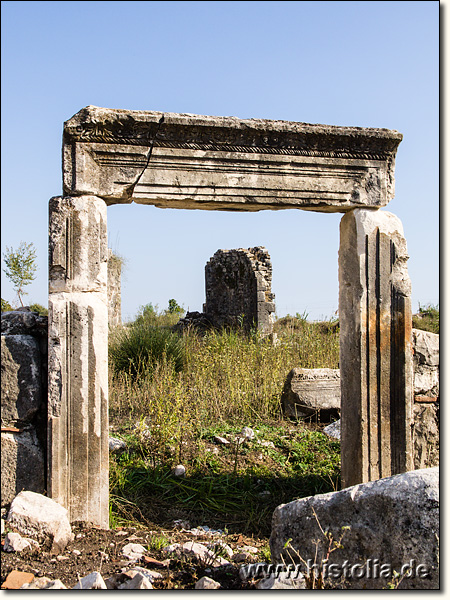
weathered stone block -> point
(22, 465)
(312, 392)
(375, 347)
(393, 520)
(426, 348)
(21, 379)
(193, 161)
(426, 435)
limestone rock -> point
(24, 321)
(44, 583)
(38, 583)
(426, 435)
(55, 584)
(248, 433)
(283, 581)
(426, 347)
(139, 582)
(21, 378)
(310, 392)
(221, 440)
(22, 464)
(37, 515)
(14, 542)
(93, 581)
(220, 547)
(117, 446)
(394, 520)
(179, 471)
(133, 552)
(206, 583)
(426, 380)
(151, 575)
(198, 551)
(333, 429)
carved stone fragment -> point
(312, 392)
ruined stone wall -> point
(238, 289)
(24, 403)
(426, 399)
(114, 289)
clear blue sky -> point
(367, 64)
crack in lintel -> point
(129, 189)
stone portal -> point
(224, 163)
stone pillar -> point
(114, 289)
(78, 358)
(375, 347)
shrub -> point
(6, 306)
(38, 308)
(137, 349)
(427, 318)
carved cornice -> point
(229, 134)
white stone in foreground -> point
(39, 516)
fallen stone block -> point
(392, 521)
(312, 392)
(39, 516)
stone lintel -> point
(78, 455)
(224, 163)
(375, 347)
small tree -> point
(20, 267)
(174, 307)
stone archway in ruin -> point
(224, 163)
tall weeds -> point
(223, 376)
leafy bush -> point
(38, 308)
(136, 350)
